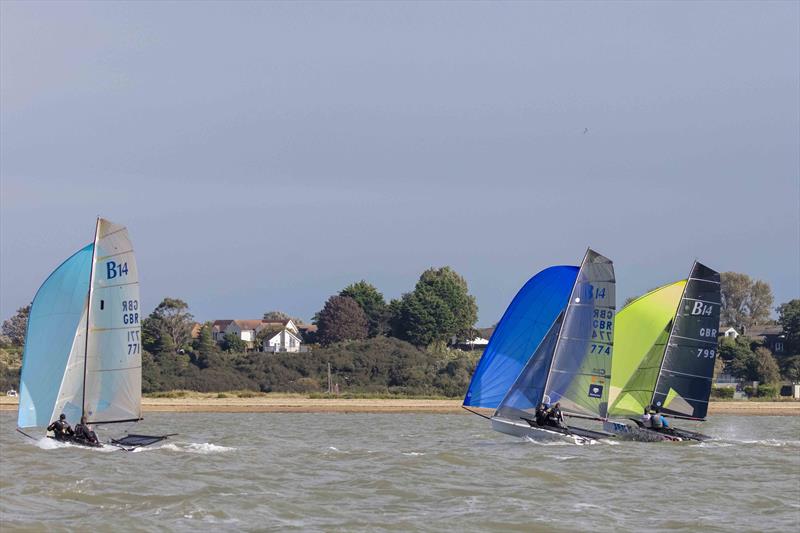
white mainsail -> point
(113, 387)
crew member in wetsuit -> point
(555, 418)
(646, 417)
(656, 421)
(84, 434)
(662, 420)
(541, 414)
(61, 429)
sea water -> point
(400, 472)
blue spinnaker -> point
(516, 337)
(53, 323)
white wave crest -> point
(203, 448)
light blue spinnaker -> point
(518, 334)
(57, 310)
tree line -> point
(363, 335)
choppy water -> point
(401, 472)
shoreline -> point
(302, 404)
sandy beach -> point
(302, 404)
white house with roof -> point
(279, 335)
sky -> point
(265, 155)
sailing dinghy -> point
(665, 349)
(83, 343)
(553, 344)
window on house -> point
(778, 346)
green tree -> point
(276, 316)
(766, 366)
(745, 301)
(744, 363)
(789, 319)
(204, 346)
(170, 326)
(15, 327)
(233, 343)
(439, 308)
(372, 303)
(341, 319)
(790, 368)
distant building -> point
(728, 331)
(773, 337)
(479, 342)
(283, 341)
(279, 335)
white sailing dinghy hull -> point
(539, 434)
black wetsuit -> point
(61, 430)
(86, 436)
(541, 415)
(555, 418)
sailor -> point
(541, 414)
(84, 433)
(656, 420)
(646, 417)
(554, 416)
(61, 429)
(661, 419)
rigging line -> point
(88, 314)
(475, 412)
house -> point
(772, 336)
(479, 342)
(282, 341)
(218, 329)
(728, 331)
(277, 335)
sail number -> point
(706, 352)
(114, 269)
(130, 312)
(601, 349)
(708, 332)
(134, 346)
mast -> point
(671, 331)
(88, 311)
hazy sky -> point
(265, 155)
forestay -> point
(518, 334)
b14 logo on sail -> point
(113, 269)
(702, 309)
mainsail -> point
(675, 372)
(572, 364)
(518, 334)
(82, 348)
